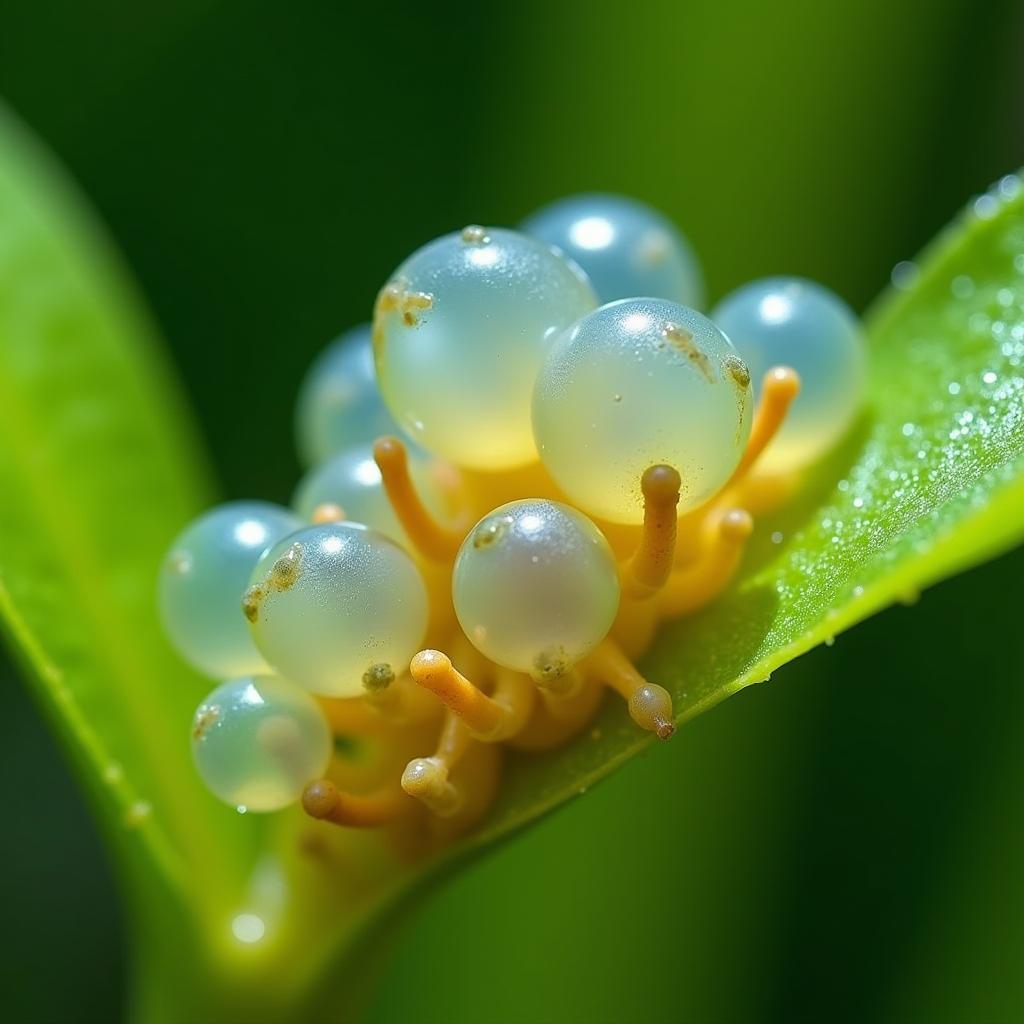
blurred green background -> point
(845, 843)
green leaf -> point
(98, 470)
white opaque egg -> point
(202, 580)
(535, 587)
(257, 741)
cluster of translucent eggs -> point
(527, 384)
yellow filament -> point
(647, 571)
(431, 540)
(695, 585)
(517, 694)
(487, 718)
(780, 386)
(324, 801)
(650, 706)
(426, 778)
(556, 718)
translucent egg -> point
(202, 580)
(351, 480)
(339, 403)
(258, 740)
(459, 334)
(786, 321)
(337, 609)
(625, 247)
(638, 383)
(535, 587)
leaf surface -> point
(98, 471)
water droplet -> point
(908, 429)
(137, 813)
(904, 275)
(777, 537)
(954, 388)
(989, 377)
(248, 928)
(1010, 186)
(962, 287)
(985, 207)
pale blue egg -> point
(352, 481)
(536, 587)
(787, 321)
(203, 577)
(626, 247)
(339, 403)
(257, 741)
